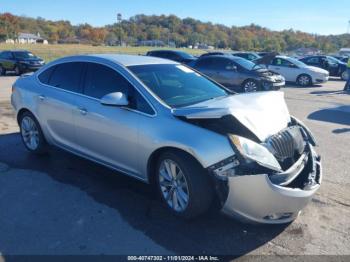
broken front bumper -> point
(257, 198)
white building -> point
(26, 38)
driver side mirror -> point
(114, 99)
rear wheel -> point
(183, 184)
(304, 80)
(31, 133)
(250, 85)
(2, 71)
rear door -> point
(287, 69)
(109, 134)
(56, 100)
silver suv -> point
(164, 123)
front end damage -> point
(274, 170)
(259, 194)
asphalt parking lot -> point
(62, 204)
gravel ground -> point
(62, 204)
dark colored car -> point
(175, 55)
(214, 53)
(334, 66)
(344, 59)
(238, 74)
(19, 61)
(247, 55)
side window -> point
(204, 63)
(220, 63)
(102, 80)
(67, 76)
(313, 60)
(139, 103)
(7, 55)
(45, 76)
(281, 62)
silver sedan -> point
(164, 123)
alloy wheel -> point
(345, 75)
(304, 80)
(30, 133)
(17, 71)
(250, 86)
(173, 185)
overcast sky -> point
(313, 16)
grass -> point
(52, 52)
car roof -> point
(228, 56)
(130, 60)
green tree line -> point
(181, 32)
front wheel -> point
(183, 184)
(304, 80)
(17, 71)
(31, 133)
(344, 75)
(250, 86)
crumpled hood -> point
(263, 113)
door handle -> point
(41, 97)
(82, 111)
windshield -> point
(334, 60)
(177, 85)
(23, 55)
(249, 65)
(297, 62)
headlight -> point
(254, 152)
(24, 62)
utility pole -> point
(119, 20)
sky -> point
(312, 16)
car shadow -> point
(321, 93)
(337, 115)
(341, 130)
(294, 85)
(212, 234)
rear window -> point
(67, 76)
(44, 77)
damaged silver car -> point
(166, 124)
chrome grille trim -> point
(286, 143)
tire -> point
(2, 71)
(250, 85)
(198, 187)
(304, 80)
(32, 135)
(344, 75)
(17, 71)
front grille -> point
(286, 144)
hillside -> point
(181, 32)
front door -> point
(108, 134)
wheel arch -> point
(152, 160)
(21, 111)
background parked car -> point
(238, 74)
(296, 71)
(178, 56)
(344, 59)
(19, 61)
(331, 64)
(247, 55)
